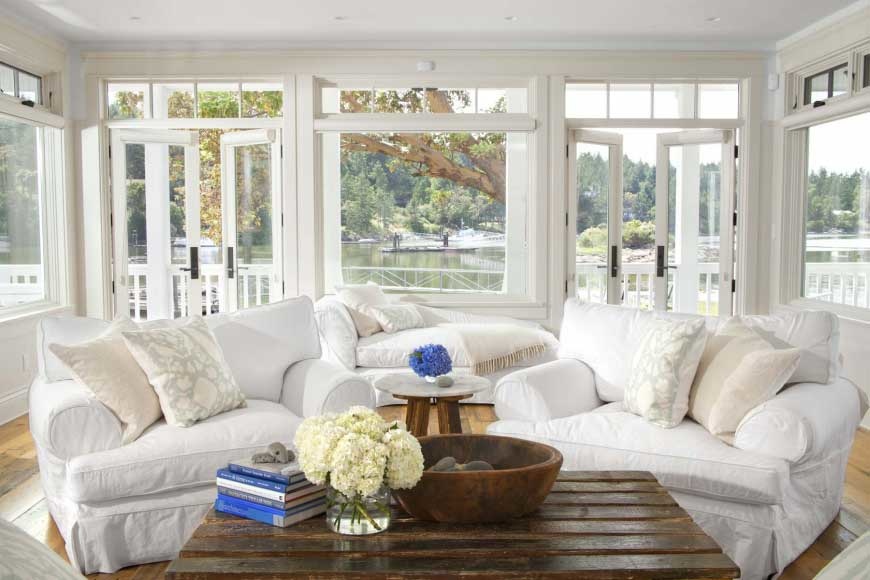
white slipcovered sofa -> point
(118, 505)
(384, 353)
(765, 499)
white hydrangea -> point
(357, 451)
(405, 464)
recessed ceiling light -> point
(339, 18)
(135, 18)
(713, 19)
(511, 18)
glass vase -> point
(358, 516)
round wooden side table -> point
(420, 394)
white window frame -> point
(795, 132)
(862, 72)
(534, 303)
(852, 56)
(53, 211)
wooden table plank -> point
(615, 524)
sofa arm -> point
(804, 422)
(555, 389)
(338, 336)
(315, 386)
(67, 420)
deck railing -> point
(20, 284)
(426, 279)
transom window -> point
(20, 84)
(411, 100)
(189, 100)
(827, 84)
(658, 100)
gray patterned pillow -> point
(188, 371)
(663, 369)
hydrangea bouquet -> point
(360, 457)
(430, 360)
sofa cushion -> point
(64, 330)
(685, 458)
(359, 299)
(260, 344)
(165, 458)
(384, 350)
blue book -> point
(286, 473)
(278, 512)
(255, 481)
(300, 497)
(230, 506)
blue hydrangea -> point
(430, 360)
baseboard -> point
(13, 405)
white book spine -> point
(268, 493)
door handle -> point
(193, 251)
(614, 265)
(660, 261)
(231, 263)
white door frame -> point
(614, 210)
(727, 202)
(190, 141)
(229, 142)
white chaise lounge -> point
(765, 499)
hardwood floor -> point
(22, 500)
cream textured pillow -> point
(662, 371)
(187, 369)
(106, 367)
(739, 370)
(359, 300)
(396, 317)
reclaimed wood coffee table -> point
(607, 524)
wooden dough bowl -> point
(524, 473)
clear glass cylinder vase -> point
(358, 516)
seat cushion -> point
(164, 457)
(686, 458)
(384, 350)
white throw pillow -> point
(359, 300)
(187, 369)
(106, 367)
(663, 369)
(739, 370)
(396, 317)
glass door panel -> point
(252, 217)
(594, 212)
(695, 235)
(157, 240)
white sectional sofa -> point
(765, 499)
(118, 505)
(384, 353)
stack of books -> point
(272, 493)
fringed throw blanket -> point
(493, 347)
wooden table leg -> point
(448, 414)
(417, 416)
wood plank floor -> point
(22, 500)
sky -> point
(841, 146)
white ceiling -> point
(742, 24)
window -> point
(658, 100)
(188, 100)
(439, 211)
(410, 100)
(866, 70)
(20, 84)
(22, 179)
(837, 229)
(827, 84)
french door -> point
(251, 186)
(156, 222)
(680, 257)
(695, 202)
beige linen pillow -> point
(662, 371)
(359, 300)
(188, 371)
(738, 371)
(106, 367)
(396, 317)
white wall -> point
(43, 55)
(839, 32)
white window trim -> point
(533, 304)
(53, 210)
(795, 142)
